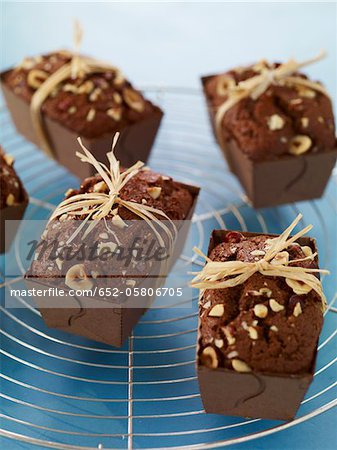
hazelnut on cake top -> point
(263, 323)
(163, 198)
(90, 105)
(261, 302)
(287, 118)
(11, 189)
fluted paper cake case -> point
(134, 144)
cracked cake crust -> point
(173, 199)
(262, 325)
(264, 128)
(92, 106)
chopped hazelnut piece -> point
(230, 338)
(115, 113)
(95, 94)
(244, 325)
(218, 343)
(300, 144)
(232, 354)
(100, 186)
(72, 110)
(253, 333)
(86, 87)
(298, 287)
(253, 292)
(217, 311)
(207, 304)
(27, 63)
(275, 306)
(104, 247)
(70, 88)
(9, 159)
(304, 122)
(260, 311)
(306, 92)
(274, 328)
(59, 263)
(36, 77)
(154, 192)
(296, 101)
(297, 310)
(224, 84)
(117, 98)
(258, 253)
(118, 221)
(275, 122)
(240, 366)
(262, 291)
(119, 79)
(76, 278)
(133, 99)
(10, 200)
(91, 115)
(265, 291)
(209, 358)
(320, 119)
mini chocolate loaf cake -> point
(107, 317)
(278, 134)
(13, 199)
(257, 341)
(91, 105)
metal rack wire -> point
(62, 391)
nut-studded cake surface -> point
(284, 120)
(267, 324)
(147, 188)
(91, 105)
(11, 190)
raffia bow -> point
(97, 205)
(254, 87)
(227, 274)
(78, 67)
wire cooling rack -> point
(65, 392)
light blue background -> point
(175, 43)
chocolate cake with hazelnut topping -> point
(257, 341)
(91, 105)
(107, 317)
(277, 132)
(13, 199)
